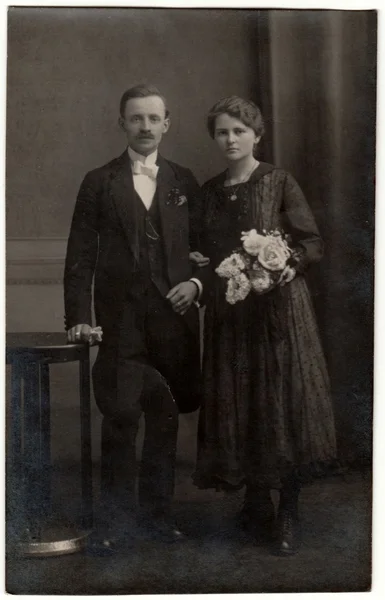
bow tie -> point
(138, 168)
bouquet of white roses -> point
(256, 266)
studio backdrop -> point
(312, 72)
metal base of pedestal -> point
(52, 542)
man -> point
(135, 221)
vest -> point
(152, 259)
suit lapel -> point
(166, 181)
(123, 195)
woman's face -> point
(235, 139)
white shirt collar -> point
(149, 160)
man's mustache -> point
(145, 137)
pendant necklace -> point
(234, 196)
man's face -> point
(144, 123)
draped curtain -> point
(317, 89)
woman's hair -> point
(244, 110)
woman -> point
(267, 418)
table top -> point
(43, 347)
(38, 340)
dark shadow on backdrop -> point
(317, 89)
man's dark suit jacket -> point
(103, 247)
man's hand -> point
(287, 275)
(182, 296)
(198, 259)
(79, 334)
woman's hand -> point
(198, 259)
(287, 275)
(182, 296)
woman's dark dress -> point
(267, 407)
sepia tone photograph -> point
(190, 218)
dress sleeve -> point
(306, 239)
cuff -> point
(299, 260)
(200, 289)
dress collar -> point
(262, 169)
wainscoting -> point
(34, 296)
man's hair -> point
(238, 108)
(141, 91)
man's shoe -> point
(98, 545)
(104, 545)
(164, 530)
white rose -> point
(274, 254)
(253, 242)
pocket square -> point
(176, 198)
